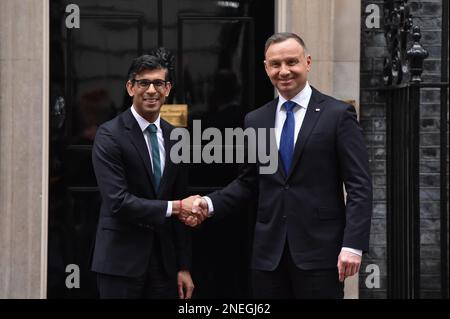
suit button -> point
(286, 186)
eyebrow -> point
(150, 80)
(287, 59)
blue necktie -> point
(151, 129)
(287, 136)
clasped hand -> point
(192, 210)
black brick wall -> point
(427, 14)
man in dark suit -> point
(141, 249)
(307, 239)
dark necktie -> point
(151, 129)
(287, 136)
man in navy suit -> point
(307, 238)
(141, 249)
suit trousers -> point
(288, 281)
(155, 283)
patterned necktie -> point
(287, 136)
(151, 129)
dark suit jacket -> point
(306, 207)
(132, 213)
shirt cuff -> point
(354, 251)
(210, 205)
(169, 209)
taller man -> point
(307, 238)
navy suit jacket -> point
(132, 213)
(306, 206)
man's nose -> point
(151, 88)
(284, 69)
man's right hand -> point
(190, 212)
(200, 208)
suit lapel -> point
(268, 122)
(137, 139)
(165, 127)
(313, 113)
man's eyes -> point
(158, 83)
(148, 82)
(278, 64)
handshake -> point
(192, 210)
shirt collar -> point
(143, 123)
(302, 98)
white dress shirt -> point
(143, 124)
(302, 101)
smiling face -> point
(148, 101)
(287, 67)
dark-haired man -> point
(141, 250)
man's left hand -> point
(348, 264)
(185, 284)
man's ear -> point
(168, 88)
(130, 90)
(266, 66)
(308, 62)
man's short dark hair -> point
(159, 59)
(283, 36)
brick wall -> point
(373, 121)
(427, 14)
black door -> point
(220, 76)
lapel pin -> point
(317, 110)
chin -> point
(287, 86)
(153, 108)
(285, 89)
